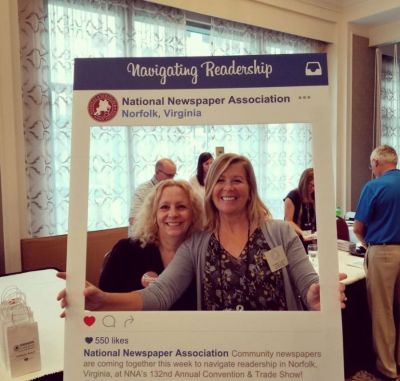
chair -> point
(342, 229)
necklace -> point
(218, 235)
(308, 213)
(309, 220)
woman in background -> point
(170, 213)
(203, 164)
(300, 207)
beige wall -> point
(363, 69)
(294, 17)
(11, 138)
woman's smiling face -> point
(231, 191)
(174, 213)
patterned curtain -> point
(54, 32)
(390, 100)
(38, 133)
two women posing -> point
(242, 260)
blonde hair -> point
(146, 228)
(385, 153)
(256, 209)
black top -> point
(304, 213)
(126, 264)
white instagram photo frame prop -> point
(282, 345)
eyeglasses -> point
(168, 175)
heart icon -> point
(89, 320)
(88, 339)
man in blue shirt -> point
(377, 226)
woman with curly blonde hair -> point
(147, 230)
(171, 212)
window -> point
(122, 158)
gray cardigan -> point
(190, 257)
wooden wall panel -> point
(44, 252)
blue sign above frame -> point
(281, 70)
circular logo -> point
(148, 278)
(103, 107)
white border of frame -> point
(225, 330)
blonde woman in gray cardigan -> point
(243, 260)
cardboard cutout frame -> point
(149, 345)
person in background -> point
(377, 226)
(203, 164)
(300, 207)
(244, 260)
(163, 170)
(170, 213)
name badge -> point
(276, 258)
